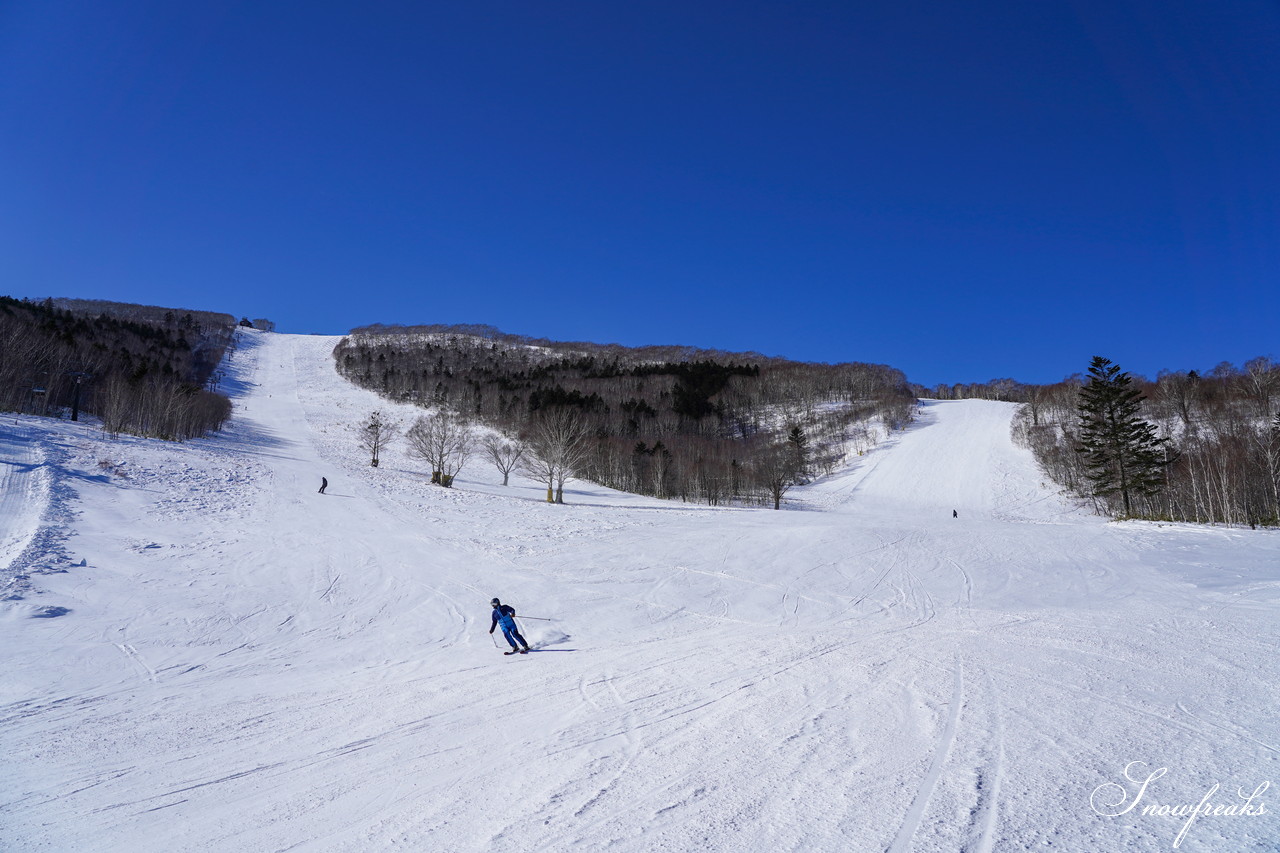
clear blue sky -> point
(964, 190)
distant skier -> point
(955, 514)
(504, 615)
(324, 484)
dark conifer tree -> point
(1122, 453)
(798, 442)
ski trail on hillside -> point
(24, 497)
(249, 665)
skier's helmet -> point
(495, 602)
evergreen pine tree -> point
(798, 442)
(1122, 454)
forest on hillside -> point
(1217, 437)
(700, 425)
(139, 369)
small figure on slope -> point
(504, 615)
(324, 484)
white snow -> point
(23, 488)
(246, 665)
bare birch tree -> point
(375, 434)
(559, 444)
(446, 441)
(504, 453)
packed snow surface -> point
(203, 653)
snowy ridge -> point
(244, 664)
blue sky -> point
(962, 190)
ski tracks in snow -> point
(24, 490)
(621, 763)
(956, 805)
(131, 653)
(287, 671)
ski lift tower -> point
(37, 393)
(79, 376)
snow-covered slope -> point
(245, 664)
(24, 484)
(970, 463)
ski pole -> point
(538, 618)
(495, 641)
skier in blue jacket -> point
(504, 615)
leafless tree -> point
(114, 405)
(1261, 381)
(559, 443)
(1178, 392)
(375, 434)
(1037, 397)
(774, 468)
(504, 453)
(446, 440)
